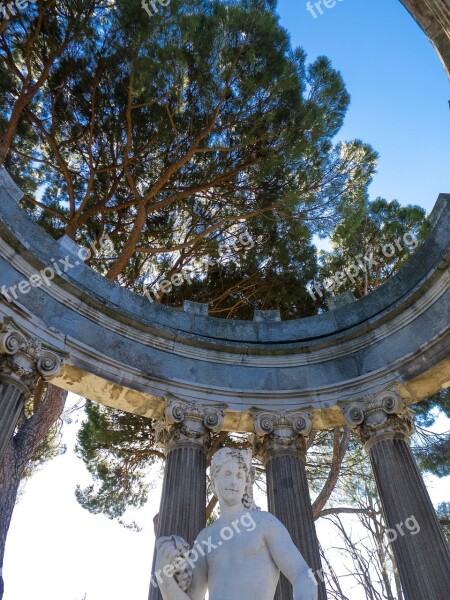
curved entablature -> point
(126, 352)
(433, 16)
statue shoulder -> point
(263, 517)
(269, 522)
(207, 531)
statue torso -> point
(241, 566)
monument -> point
(359, 365)
(240, 554)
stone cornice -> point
(379, 418)
(335, 342)
(128, 353)
(433, 16)
(23, 360)
(29, 248)
(281, 432)
(188, 423)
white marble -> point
(242, 553)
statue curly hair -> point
(244, 458)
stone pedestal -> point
(23, 362)
(280, 442)
(184, 434)
(420, 549)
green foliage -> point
(167, 132)
(270, 275)
(443, 513)
(435, 456)
(365, 228)
(426, 412)
(118, 450)
(433, 450)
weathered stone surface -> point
(184, 434)
(11, 404)
(183, 500)
(381, 417)
(423, 558)
(128, 352)
(280, 443)
(345, 299)
(241, 554)
(289, 500)
(422, 555)
(271, 316)
(23, 361)
(188, 424)
(433, 16)
(196, 308)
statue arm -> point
(289, 560)
(199, 585)
(170, 589)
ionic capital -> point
(188, 423)
(23, 360)
(380, 417)
(281, 432)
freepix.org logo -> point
(318, 7)
(205, 547)
(58, 267)
(10, 9)
(164, 286)
(331, 284)
(146, 4)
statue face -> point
(230, 483)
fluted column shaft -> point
(421, 552)
(23, 362)
(281, 445)
(183, 499)
(184, 433)
(11, 405)
(289, 501)
(423, 558)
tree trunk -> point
(29, 435)
(340, 447)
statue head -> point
(232, 477)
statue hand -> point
(171, 552)
(167, 551)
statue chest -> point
(230, 545)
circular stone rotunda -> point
(362, 364)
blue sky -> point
(399, 90)
(400, 93)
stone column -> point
(184, 433)
(280, 443)
(421, 552)
(23, 362)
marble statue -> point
(241, 554)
